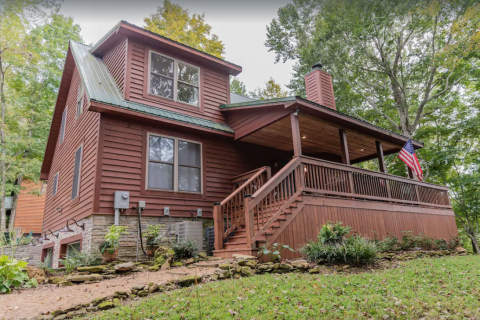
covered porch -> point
(324, 144)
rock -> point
(162, 254)
(44, 317)
(189, 261)
(154, 268)
(282, 268)
(106, 305)
(65, 283)
(55, 280)
(79, 278)
(214, 277)
(124, 267)
(460, 250)
(177, 264)
(252, 264)
(61, 317)
(120, 294)
(265, 267)
(138, 288)
(98, 301)
(202, 255)
(108, 271)
(189, 280)
(77, 313)
(142, 293)
(314, 270)
(247, 272)
(58, 312)
(154, 288)
(300, 264)
(227, 266)
(243, 257)
(92, 309)
(166, 265)
(92, 269)
(117, 302)
(36, 273)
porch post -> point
(346, 157)
(381, 160)
(218, 226)
(297, 142)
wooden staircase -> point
(244, 222)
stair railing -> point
(229, 214)
(263, 206)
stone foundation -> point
(30, 254)
(96, 227)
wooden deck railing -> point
(229, 213)
(310, 175)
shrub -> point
(274, 251)
(409, 242)
(332, 233)
(354, 250)
(79, 259)
(152, 233)
(12, 274)
(112, 239)
(184, 249)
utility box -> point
(122, 200)
(210, 238)
(191, 231)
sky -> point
(240, 24)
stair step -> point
(234, 245)
(293, 205)
(299, 199)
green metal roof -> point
(101, 87)
(238, 98)
(257, 102)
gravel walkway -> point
(28, 303)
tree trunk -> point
(475, 246)
(3, 106)
(14, 204)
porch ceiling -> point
(319, 138)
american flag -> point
(407, 155)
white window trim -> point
(80, 95)
(175, 164)
(56, 177)
(79, 172)
(175, 78)
(63, 126)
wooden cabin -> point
(143, 114)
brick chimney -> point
(318, 84)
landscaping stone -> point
(92, 269)
(202, 255)
(166, 265)
(460, 250)
(117, 302)
(55, 280)
(314, 270)
(153, 268)
(36, 273)
(243, 257)
(65, 283)
(106, 305)
(252, 264)
(92, 309)
(98, 301)
(57, 312)
(61, 317)
(176, 264)
(247, 272)
(108, 271)
(44, 317)
(300, 264)
(227, 266)
(142, 293)
(77, 313)
(214, 277)
(85, 278)
(189, 261)
(282, 268)
(124, 267)
(188, 281)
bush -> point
(12, 274)
(112, 239)
(332, 233)
(408, 242)
(354, 250)
(79, 259)
(184, 249)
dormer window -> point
(174, 79)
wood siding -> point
(82, 131)
(214, 86)
(123, 164)
(365, 218)
(116, 61)
(30, 207)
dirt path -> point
(29, 303)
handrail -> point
(260, 171)
(245, 175)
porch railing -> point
(229, 213)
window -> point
(62, 126)
(73, 249)
(174, 164)
(55, 184)
(173, 79)
(80, 101)
(76, 172)
(48, 260)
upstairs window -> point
(173, 79)
(55, 184)
(77, 167)
(80, 101)
(174, 164)
(62, 126)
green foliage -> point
(174, 22)
(153, 231)
(418, 289)
(331, 233)
(271, 90)
(112, 239)
(237, 86)
(410, 242)
(354, 250)
(184, 249)
(12, 274)
(79, 259)
(273, 251)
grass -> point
(441, 288)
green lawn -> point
(443, 288)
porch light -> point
(45, 236)
(362, 149)
(68, 229)
(304, 137)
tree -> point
(237, 86)
(174, 22)
(395, 58)
(32, 53)
(272, 90)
